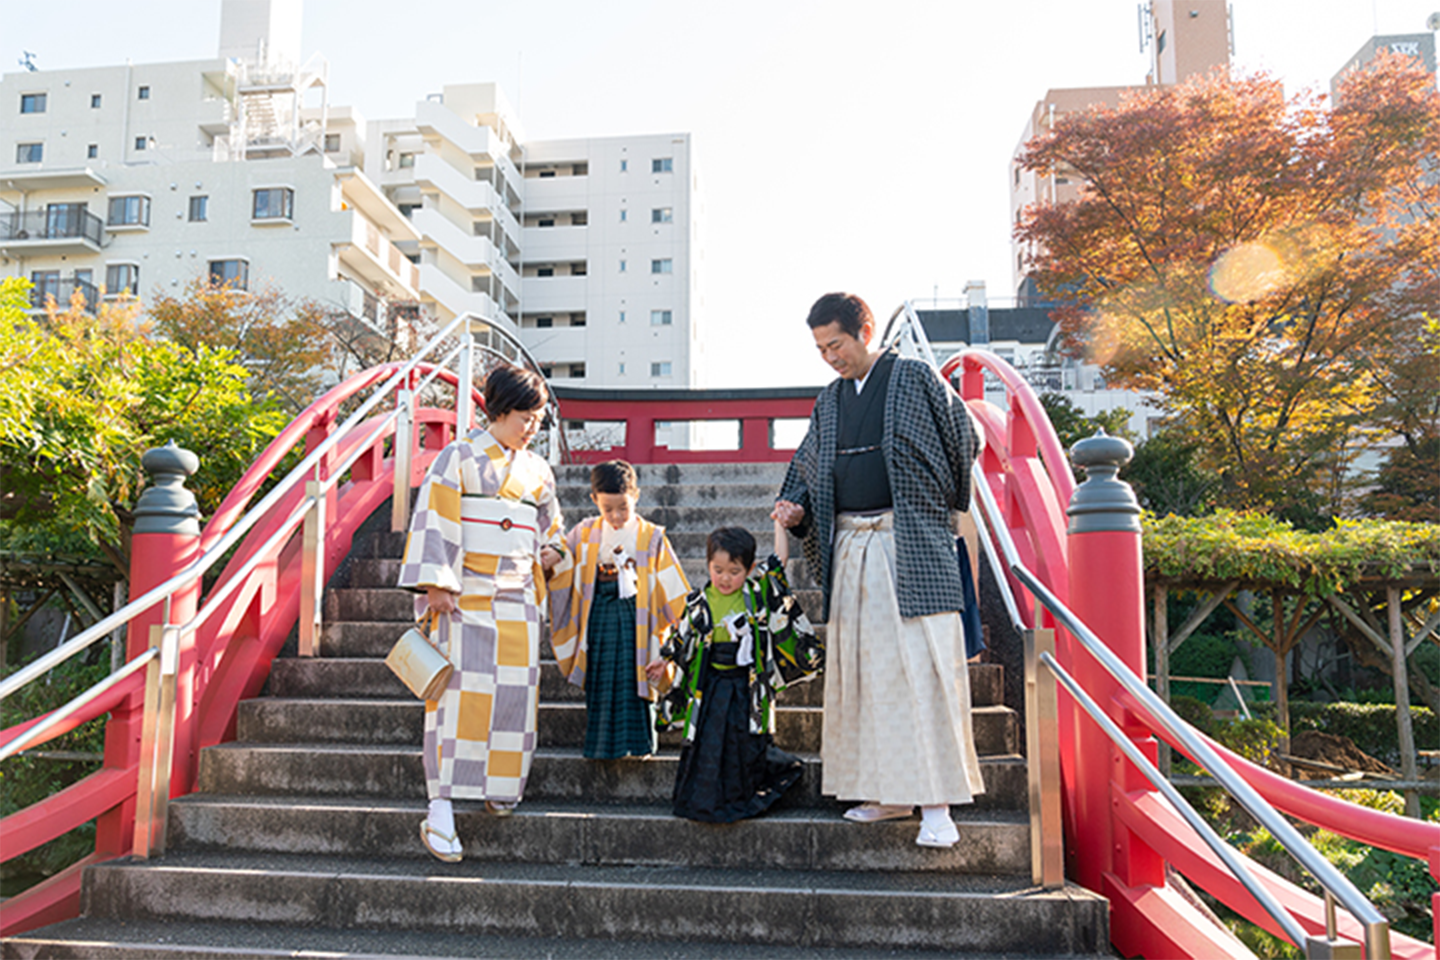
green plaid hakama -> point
(618, 723)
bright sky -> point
(840, 145)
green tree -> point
(1246, 256)
(81, 399)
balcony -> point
(555, 243)
(546, 294)
(379, 262)
(61, 291)
(63, 228)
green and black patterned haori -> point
(734, 653)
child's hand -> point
(549, 556)
(660, 672)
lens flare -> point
(1247, 272)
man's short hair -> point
(614, 476)
(737, 542)
(844, 308)
(508, 387)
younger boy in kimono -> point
(609, 610)
(743, 637)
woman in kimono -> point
(487, 527)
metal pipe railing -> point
(61, 714)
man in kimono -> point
(873, 490)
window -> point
(232, 273)
(32, 102)
(622, 316)
(332, 143)
(122, 278)
(544, 271)
(580, 169)
(577, 371)
(624, 214)
(29, 152)
(578, 269)
(199, 209)
(144, 93)
(407, 160)
(660, 368)
(544, 321)
(622, 266)
(92, 151)
(547, 371)
(580, 218)
(94, 101)
(662, 215)
(47, 285)
(661, 318)
(661, 165)
(624, 165)
(273, 203)
(407, 209)
(621, 371)
(546, 173)
(141, 143)
(662, 266)
(545, 222)
(129, 212)
(577, 319)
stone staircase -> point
(302, 838)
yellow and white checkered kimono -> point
(482, 516)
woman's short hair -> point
(737, 542)
(508, 387)
(614, 476)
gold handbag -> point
(419, 665)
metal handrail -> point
(159, 660)
(1377, 940)
(1335, 884)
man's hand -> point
(789, 514)
(441, 600)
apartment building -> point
(238, 169)
(1183, 38)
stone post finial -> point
(166, 506)
(1103, 502)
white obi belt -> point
(499, 527)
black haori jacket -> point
(930, 447)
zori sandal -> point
(875, 812)
(499, 808)
(946, 836)
(443, 855)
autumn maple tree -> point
(1258, 260)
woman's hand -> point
(549, 556)
(441, 600)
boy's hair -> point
(508, 387)
(614, 476)
(735, 541)
(848, 310)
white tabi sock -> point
(937, 818)
(442, 816)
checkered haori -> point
(929, 448)
(659, 598)
(480, 734)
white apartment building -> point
(142, 177)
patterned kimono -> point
(481, 517)
(659, 600)
(731, 665)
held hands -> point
(549, 556)
(788, 514)
(441, 600)
(661, 672)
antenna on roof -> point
(28, 61)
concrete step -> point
(374, 721)
(575, 498)
(395, 771)
(761, 907)
(548, 831)
(100, 939)
(672, 474)
(368, 677)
